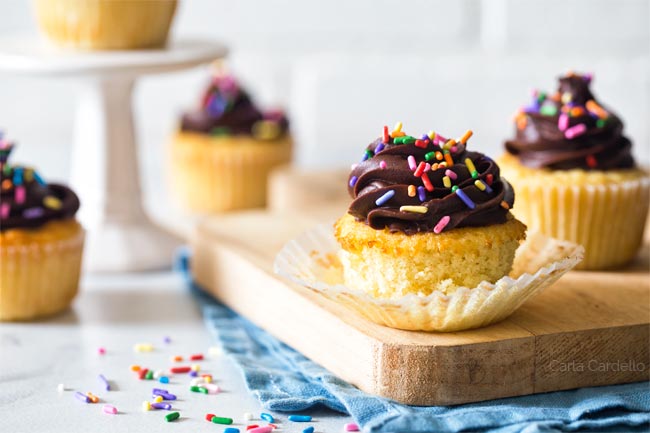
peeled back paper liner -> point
(311, 261)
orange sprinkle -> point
(411, 190)
(177, 358)
(92, 397)
(6, 184)
(596, 109)
(439, 155)
(505, 205)
(466, 136)
(135, 368)
(522, 121)
(449, 143)
(448, 159)
(576, 111)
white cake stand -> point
(105, 170)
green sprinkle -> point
(149, 375)
(195, 388)
(475, 174)
(369, 154)
(398, 140)
(429, 156)
(548, 110)
(454, 188)
(203, 390)
(221, 420)
(541, 97)
(407, 139)
(445, 151)
(601, 122)
(172, 416)
(220, 130)
(7, 169)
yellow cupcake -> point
(223, 152)
(222, 173)
(41, 244)
(391, 265)
(574, 175)
(106, 24)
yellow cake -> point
(106, 24)
(223, 152)
(41, 244)
(575, 177)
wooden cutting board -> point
(590, 328)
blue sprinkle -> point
(163, 379)
(422, 193)
(379, 148)
(309, 429)
(33, 212)
(353, 181)
(384, 198)
(231, 430)
(468, 201)
(18, 176)
(38, 178)
(299, 418)
(267, 417)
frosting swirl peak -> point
(570, 129)
(426, 184)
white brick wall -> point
(344, 68)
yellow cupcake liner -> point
(106, 24)
(39, 278)
(216, 174)
(607, 219)
(311, 262)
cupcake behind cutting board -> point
(41, 243)
(574, 174)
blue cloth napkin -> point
(285, 381)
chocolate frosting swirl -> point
(570, 129)
(226, 109)
(26, 201)
(386, 168)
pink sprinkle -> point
(20, 194)
(264, 429)
(563, 122)
(451, 174)
(351, 427)
(4, 210)
(439, 139)
(441, 224)
(101, 351)
(112, 410)
(353, 166)
(575, 131)
(411, 161)
(453, 149)
(212, 388)
(382, 164)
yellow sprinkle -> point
(52, 202)
(266, 130)
(143, 347)
(480, 185)
(195, 367)
(566, 97)
(442, 164)
(158, 399)
(446, 181)
(146, 406)
(432, 135)
(415, 209)
(398, 127)
(29, 175)
(207, 379)
(470, 165)
(411, 190)
(434, 167)
(466, 136)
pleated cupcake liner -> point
(39, 278)
(311, 262)
(608, 220)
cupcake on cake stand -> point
(105, 173)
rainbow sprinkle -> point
(385, 197)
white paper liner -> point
(311, 261)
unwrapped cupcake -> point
(223, 152)
(575, 176)
(106, 24)
(41, 243)
(429, 242)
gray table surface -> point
(116, 312)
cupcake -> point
(429, 242)
(41, 243)
(106, 24)
(223, 152)
(427, 214)
(575, 176)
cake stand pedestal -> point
(105, 172)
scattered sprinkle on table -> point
(351, 427)
(172, 416)
(109, 409)
(221, 420)
(309, 429)
(266, 417)
(299, 418)
(104, 382)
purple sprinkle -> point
(81, 397)
(194, 373)
(104, 382)
(353, 181)
(167, 340)
(165, 406)
(468, 201)
(168, 396)
(379, 148)
(385, 197)
(488, 188)
(33, 212)
(422, 193)
(424, 137)
(159, 391)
